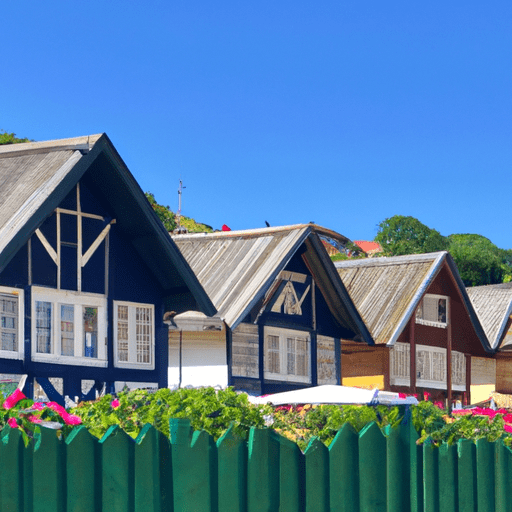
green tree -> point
(400, 235)
(10, 138)
(164, 213)
(479, 261)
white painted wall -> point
(204, 361)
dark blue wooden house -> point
(87, 271)
(282, 311)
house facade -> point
(282, 310)
(426, 332)
(86, 271)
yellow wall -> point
(367, 382)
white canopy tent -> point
(334, 395)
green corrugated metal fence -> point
(359, 472)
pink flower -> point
(115, 403)
(12, 423)
(402, 395)
(34, 419)
(507, 418)
(38, 406)
(426, 396)
(439, 404)
(71, 419)
(507, 428)
(13, 399)
(54, 406)
(461, 412)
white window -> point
(69, 327)
(433, 311)
(431, 367)
(287, 355)
(134, 335)
(11, 323)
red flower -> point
(12, 423)
(115, 403)
(507, 428)
(13, 399)
(507, 418)
(402, 395)
(439, 404)
(426, 396)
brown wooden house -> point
(426, 332)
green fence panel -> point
(83, 475)
(317, 476)
(151, 455)
(372, 469)
(344, 470)
(194, 468)
(485, 476)
(448, 480)
(12, 474)
(49, 470)
(398, 469)
(232, 482)
(430, 477)
(503, 477)
(292, 492)
(263, 471)
(117, 471)
(415, 465)
(466, 474)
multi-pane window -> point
(287, 355)
(68, 326)
(431, 367)
(44, 327)
(433, 310)
(67, 329)
(134, 334)
(9, 323)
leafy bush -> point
(214, 411)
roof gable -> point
(237, 269)
(387, 291)
(493, 305)
(36, 177)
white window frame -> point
(16, 354)
(400, 354)
(79, 301)
(132, 341)
(434, 323)
(284, 334)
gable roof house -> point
(493, 305)
(86, 271)
(420, 317)
(282, 310)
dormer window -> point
(433, 310)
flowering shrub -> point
(214, 411)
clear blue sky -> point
(342, 113)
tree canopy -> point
(400, 235)
(10, 138)
(479, 261)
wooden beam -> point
(449, 363)
(412, 353)
(87, 256)
(49, 249)
(88, 215)
(468, 379)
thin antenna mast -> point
(180, 191)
